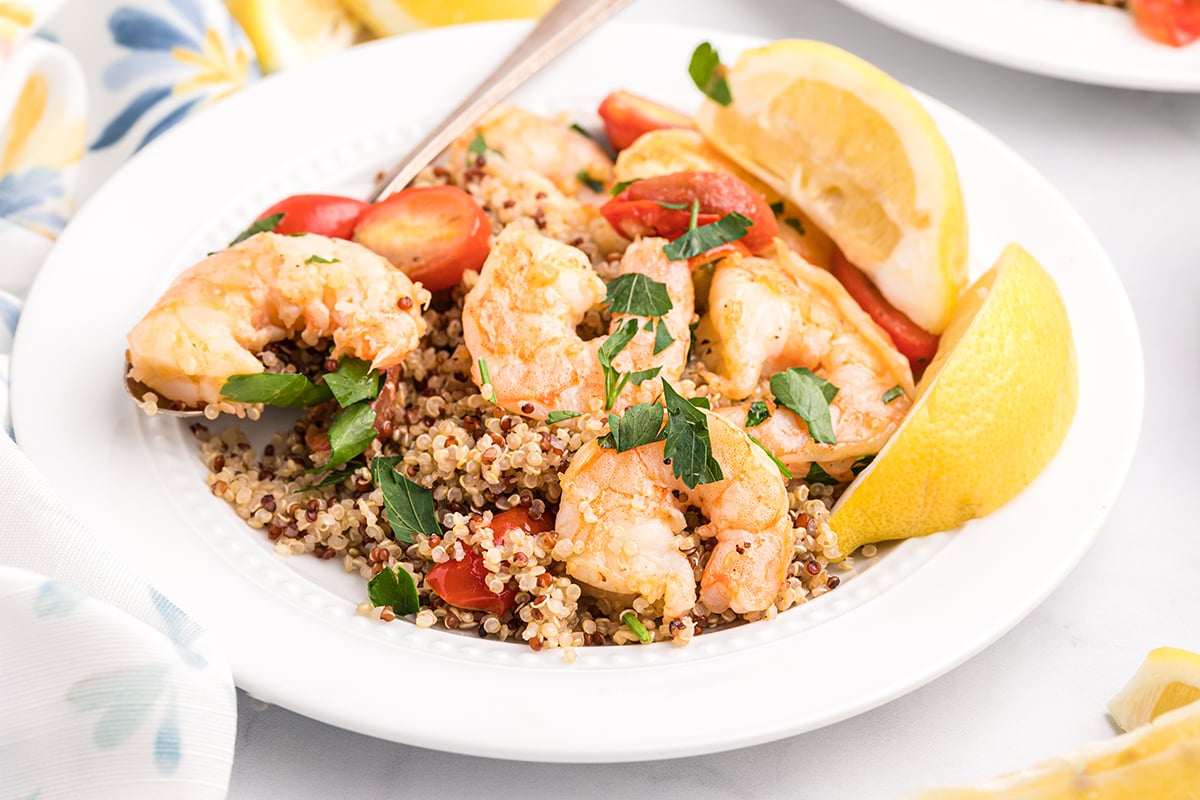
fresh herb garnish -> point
(639, 425)
(709, 74)
(673, 206)
(688, 444)
(635, 293)
(892, 393)
(777, 207)
(861, 463)
(787, 473)
(587, 180)
(758, 414)
(801, 390)
(485, 377)
(338, 475)
(575, 126)
(395, 588)
(622, 186)
(611, 348)
(662, 338)
(264, 225)
(350, 434)
(354, 380)
(409, 506)
(701, 402)
(729, 228)
(319, 260)
(288, 391)
(560, 416)
(477, 149)
(634, 624)
(795, 224)
(818, 475)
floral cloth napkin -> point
(107, 689)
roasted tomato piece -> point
(431, 233)
(322, 214)
(639, 210)
(1173, 22)
(914, 342)
(627, 116)
(464, 583)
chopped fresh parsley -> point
(701, 402)
(395, 588)
(485, 377)
(350, 434)
(758, 414)
(478, 149)
(639, 425)
(338, 475)
(288, 391)
(688, 445)
(662, 338)
(587, 180)
(795, 224)
(611, 348)
(861, 463)
(319, 260)
(634, 624)
(264, 225)
(352, 381)
(801, 390)
(409, 506)
(728, 228)
(708, 73)
(622, 186)
(635, 293)
(818, 475)
(787, 473)
(560, 416)
(673, 206)
(892, 393)
(575, 126)
(777, 207)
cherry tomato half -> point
(431, 233)
(1173, 22)
(914, 342)
(638, 210)
(627, 116)
(464, 583)
(322, 214)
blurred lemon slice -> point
(389, 17)
(1168, 679)
(290, 32)
(990, 412)
(853, 149)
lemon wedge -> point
(990, 412)
(389, 17)
(1159, 761)
(289, 32)
(1168, 679)
(853, 149)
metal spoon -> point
(566, 23)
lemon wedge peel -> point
(290, 32)
(990, 413)
(859, 154)
(1169, 678)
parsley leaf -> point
(559, 416)
(787, 473)
(319, 260)
(338, 475)
(350, 433)
(688, 444)
(758, 414)
(795, 223)
(622, 186)
(639, 425)
(777, 207)
(818, 475)
(264, 225)
(729, 228)
(575, 126)
(634, 624)
(801, 390)
(635, 293)
(587, 180)
(861, 463)
(709, 74)
(673, 206)
(287, 391)
(701, 402)
(409, 506)
(485, 377)
(354, 380)
(478, 149)
(616, 342)
(395, 588)
(662, 338)
(892, 393)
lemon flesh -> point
(290, 32)
(1159, 761)
(1168, 679)
(853, 149)
(390, 17)
(991, 411)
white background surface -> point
(1130, 162)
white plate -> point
(289, 625)
(1064, 39)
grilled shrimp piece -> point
(622, 511)
(547, 146)
(520, 318)
(211, 321)
(768, 315)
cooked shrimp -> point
(212, 320)
(768, 315)
(520, 319)
(622, 511)
(546, 146)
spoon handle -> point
(564, 25)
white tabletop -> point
(1130, 162)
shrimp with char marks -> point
(216, 316)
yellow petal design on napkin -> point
(39, 134)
